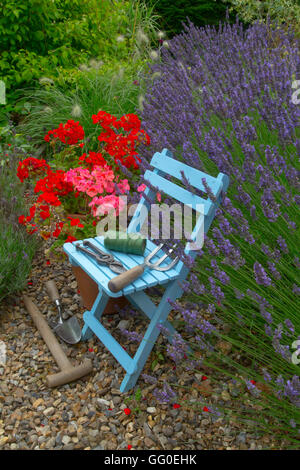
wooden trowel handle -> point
(52, 290)
(119, 282)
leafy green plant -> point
(135, 401)
(17, 248)
(283, 11)
(201, 13)
(115, 91)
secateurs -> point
(101, 257)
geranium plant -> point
(89, 184)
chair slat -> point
(178, 193)
(173, 167)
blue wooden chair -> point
(163, 165)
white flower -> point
(47, 109)
(83, 67)
(165, 44)
(156, 74)
(96, 64)
(120, 38)
(153, 55)
(141, 100)
(141, 36)
(160, 34)
(76, 110)
(46, 81)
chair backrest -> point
(165, 166)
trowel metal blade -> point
(69, 331)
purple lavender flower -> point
(297, 262)
(149, 379)
(166, 395)
(282, 244)
(267, 376)
(292, 390)
(132, 335)
(261, 276)
(289, 325)
(273, 270)
(177, 350)
(296, 289)
(252, 388)
(239, 295)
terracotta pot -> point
(89, 291)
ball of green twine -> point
(133, 243)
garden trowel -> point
(68, 330)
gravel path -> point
(89, 414)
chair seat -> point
(102, 274)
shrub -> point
(222, 101)
(17, 248)
(55, 41)
(283, 11)
(79, 180)
(115, 91)
(201, 13)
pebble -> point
(88, 414)
(66, 440)
(151, 409)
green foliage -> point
(17, 248)
(113, 91)
(16, 254)
(283, 11)
(201, 13)
(59, 41)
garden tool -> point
(69, 330)
(68, 372)
(119, 282)
(105, 259)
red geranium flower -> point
(127, 411)
(176, 405)
(70, 239)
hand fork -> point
(119, 282)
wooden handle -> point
(119, 282)
(52, 290)
(47, 335)
(69, 375)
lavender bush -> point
(221, 101)
(17, 247)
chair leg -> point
(141, 301)
(159, 316)
(97, 310)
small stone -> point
(241, 438)
(148, 442)
(103, 403)
(49, 411)
(66, 440)
(37, 403)
(168, 431)
(177, 427)
(50, 444)
(151, 409)
(123, 324)
(225, 395)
